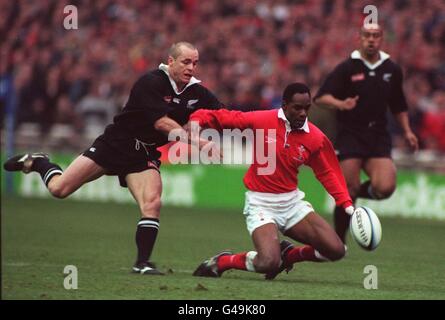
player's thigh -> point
(315, 231)
(267, 241)
(80, 171)
(382, 173)
(351, 171)
(146, 187)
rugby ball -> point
(366, 228)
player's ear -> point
(170, 60)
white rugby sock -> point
(319, 256)
(249, 261)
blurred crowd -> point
(249, 50)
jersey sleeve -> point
(146, 95)
(327, 170)
(397, 101)
(210, 101)
(335, 83)
(223, 119)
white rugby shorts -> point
(283, 209)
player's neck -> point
(370, 58)
(180, 85)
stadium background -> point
(59, 88)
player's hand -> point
(349, 103)
(411, 138)
(210, 148)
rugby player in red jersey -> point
(273, 201)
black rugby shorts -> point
(363, 144)
(123, 156)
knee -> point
(383, 191)
(268, 264)
(151, 206)
(337, 252)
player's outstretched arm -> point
(166, 125)
(173, 130)
(330, 101)
(223, 119)
(327, 170)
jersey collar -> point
(192, 81)
(282, 116)
(383, 56)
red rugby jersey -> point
(293, 149)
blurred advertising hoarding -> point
(418, 194)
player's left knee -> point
(383, 192)
(337, 253)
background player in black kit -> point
(362, 88)
(160, 101)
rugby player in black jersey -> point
(361, 89)
(160, 101)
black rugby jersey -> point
(153, 97)
(378, 86)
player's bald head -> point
(177, 48)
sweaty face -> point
(371, 40)
(296, 110)
(183, 67)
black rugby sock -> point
(146, 233)
(46, 169)
(341, 222)
(366, 191)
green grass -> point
(41, 237)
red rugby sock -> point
(234, 261)
(303, 253)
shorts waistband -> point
(275, 197)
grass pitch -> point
(41, 237)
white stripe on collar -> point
(383, 56)
(192, 81)
(281, 115)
